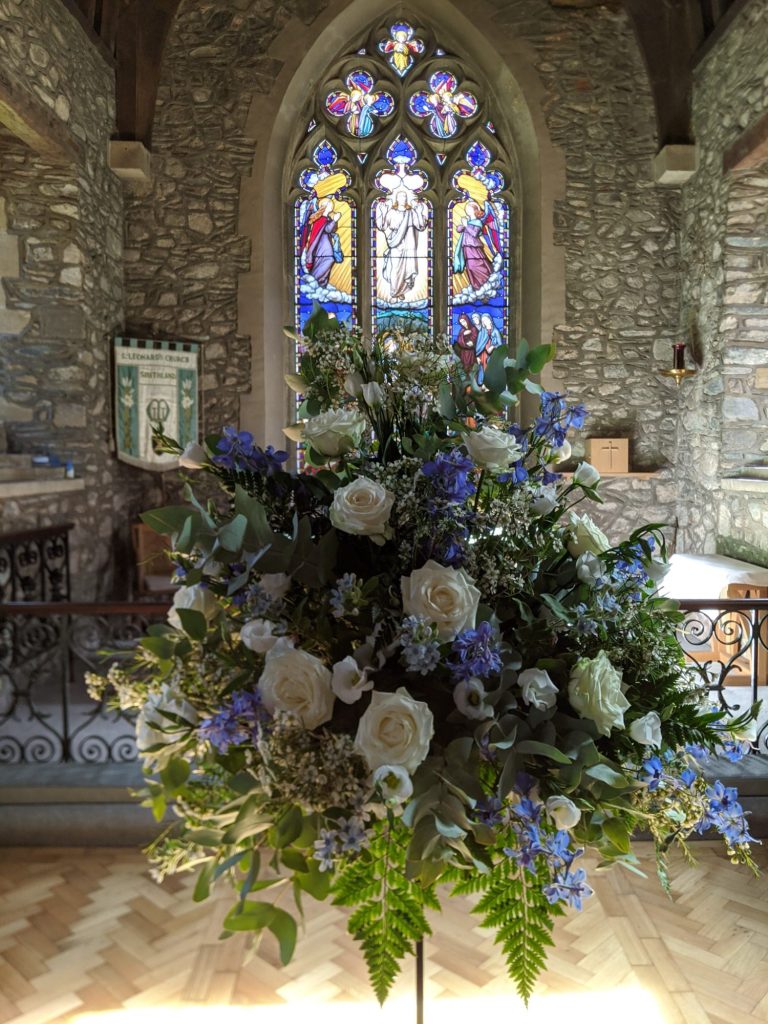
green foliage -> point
(389, 918)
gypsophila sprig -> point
(417, 662)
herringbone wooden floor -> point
(88, 930)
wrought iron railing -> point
(46, 715)
(726, 640)
(34, 564)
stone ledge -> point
(30, 488)
(745, 483)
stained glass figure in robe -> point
(401, 245)
(361, 105)
(324, 242)
(478, 247)
(401, 48)
(443, 105)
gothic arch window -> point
(402, 195)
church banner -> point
(156, 388)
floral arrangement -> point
(414, 670)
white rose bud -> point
(442, 595)
(353, 384)
(589, 568)
(373, 394)
(193, 456)
(294, 680)
(492, 449)
(586, 475)
(349, 682)
(195, 598)
(564, 812)
(258, 635)
(335, 432)
(647, 730)
(394, 782)
(275, 584)
(153, 727)
(363, 508)
(538, 688)
(584, 535)
(595, 692)
(469, 697)
(544, 499)
(562, 453)
(395, 729)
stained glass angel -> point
(360, 105)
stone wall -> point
(723, 426)
(66, 219)
(184, 253)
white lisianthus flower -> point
(492, 449)
(395, 729)
(348, 681)
(295, 382)
(595, 692)
(747, 733)
(373, 394)
(258, 635)
(646, 730)
(586, 475)
(394, 782)
(538, 688)
(469, 697)
(584, 535)
(296, 681)
(153, 727)
(563, 812)
(275, 584)
(195, 598)
(589, 568)
(544, 499)
(442, 595)
(353, 384)
(335, 432)
(193, 456)
(363, 508)
(657, 569)
(560, 454)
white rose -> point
(586, 475)
(394, 782)
(395, 729)
(595, 692)
(544, 499)
(363, 508)
(353, 384)
(560, 454)
(584, 535)
(258, 635)
(538, 688)
(275, 585)
(492, 449)
(589, 568)
(296, 681)
(373, 394)
(563, 812)
(469, 697)
(348, 681)
(153, 727)
(193, 456)
(335, 432)
(195, 598)
(647, 730)
(441, 595)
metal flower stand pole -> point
(420, 982)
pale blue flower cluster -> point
(349, 837)
(421, 650)
(346, 596)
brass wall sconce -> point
(679, 371)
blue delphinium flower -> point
(726, 815)
(449, 474)
(557, 418)
(568, 886)
(734, 750)
(239, 721)
(236, 450)
(584, 625)
(477, 652)
(421, 649)
(489, 811)
(652, 772)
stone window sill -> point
(751, 484)
(31, 488)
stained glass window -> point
(401, 137)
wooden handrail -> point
(40, 609)
(725, 604)
(39, 533)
